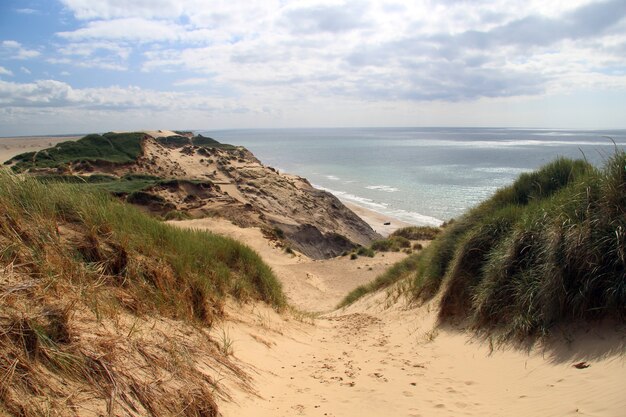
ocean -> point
(419, 175)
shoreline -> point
(377, 220)
(12, 146)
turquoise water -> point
(419, 175)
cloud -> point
(17, 51)
(59, 94)
(285, 52)
(27, 11)
(25, 70)
(190, 82)
(11, 44)
(110, 9)
(4, 71)
(326, 18)
(127, 29)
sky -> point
(78, 66)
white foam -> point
(332, 177)
(495, 144)
(385, 188)
(415, 218)
(382, 208)
(342, 195)
(502, 170)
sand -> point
(384, 357)
(310, 285)
(381, 223)
(378, 358)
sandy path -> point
(377, 361)
(310, 285)
(381, 358)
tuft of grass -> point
(391, 244)
(397, 272)
(363, 251)
(418, 232)
(547, 249)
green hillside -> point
(116, 148)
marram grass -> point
(177, 272)
(551, 248)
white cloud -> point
(25, 70)
(190, 82)
(27, 11)
(54, 93)
(4, 71)
(11, 44)
(18, 51)
(297, 56)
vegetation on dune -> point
(397, 272)
(72, 257)
(549, 248)
(106, 231)
(391, 244)
(417, 232)
(116, 148)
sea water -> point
(420, 175)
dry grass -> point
(104, 311)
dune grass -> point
(397, 272)
(104, 307)
(417, 232)
(548, 249)
(160, 265)
(111, 147)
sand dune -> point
(9, 147)
(382, 357)
(310, 285)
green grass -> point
(417, 232)
(398, 271)
(175, 141)
(118, 148)
(391, 244)
(180, 273)
(549, 249)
